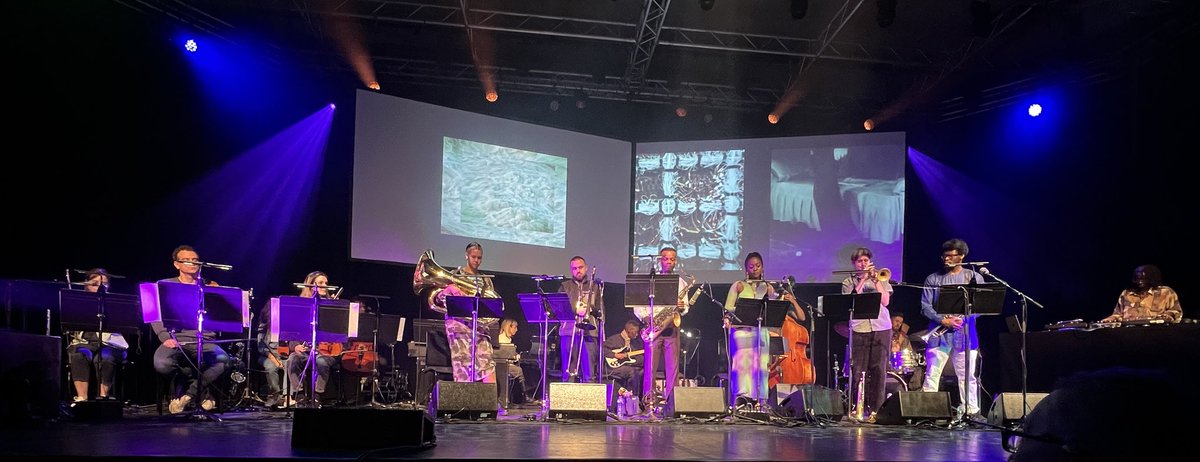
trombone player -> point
(871, 339)
(578, 339)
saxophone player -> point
(664, 344)
(579, 338)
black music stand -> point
(293, 319)
(99, 311)
(373, 326)
(181, 306)
(474, 307)
(966, 300)
(544, 308)
(665, 295)
(850, 307)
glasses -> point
(951, 256)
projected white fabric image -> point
(692, 201)
(503, 194)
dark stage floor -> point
(143, 433)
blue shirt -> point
(929, 299)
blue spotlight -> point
(332, 106)
(1035, 110)
(190, 45)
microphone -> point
(986, 272)
(635, 257)
(555, 277)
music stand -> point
(757, 313)
(474, 307)
(182, 306)
(370, 326)
(99, 311)
(544, 308)
(849, 308)
(966, 300)
(314, 320)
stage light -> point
(681, 111)
(799, 9)
(773, 118)
(885, 13)
(553, 105)
(491, 96)
(869, 124)
(190, 45)
(1035, 110)
(707, 4)
(332, 106)
(373, 85)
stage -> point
(260, 434)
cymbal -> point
(842, 328)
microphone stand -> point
(200, 386)
(1025, 299)
(545, 346)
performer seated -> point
(105, 351)
(516, 376)
(624, 355)
(177, 353)
(1148, 299)
(578, 345)
(328, 354)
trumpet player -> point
(952, 343)
(578, 339)
(871, 339)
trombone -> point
(881, 275)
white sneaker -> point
(178, 404)
(79, 399)
(208, 404)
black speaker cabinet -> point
(1006, 408)
(30, 384)
(464, 400)
(586, 401)
(823, 402)
(700, 402)
(371, 428)
(909, 406)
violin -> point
(360, 357)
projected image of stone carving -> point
(503, 194)
(691, 201)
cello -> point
(796, 366)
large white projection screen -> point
(803, 203)
(430, 177)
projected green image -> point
(503, 194)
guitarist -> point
(625, 349)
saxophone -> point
(671, 315)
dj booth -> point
(1055, 355)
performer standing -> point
(747, 343)
(579, 338)
(952, 343)
(872, 337)
(176, 352)
(458, 330)
(665, 343)
(103, 350)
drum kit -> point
(905, 367)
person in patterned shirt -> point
(1147, 299)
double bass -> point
(796, 366)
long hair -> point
(310, 279)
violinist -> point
(328, 355)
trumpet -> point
(880, 275)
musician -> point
(625, 348)
(954, 344)
(588, 301)
(458, 330)
(749, 365)
(105, 351)
(872, 338)
(297, 361)
(269, 358)
(1147, 299)
(508, 330)
(666, 344)
(177, 353)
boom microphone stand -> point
(200, 411)
(1025, 300)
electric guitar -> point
(613, 362)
